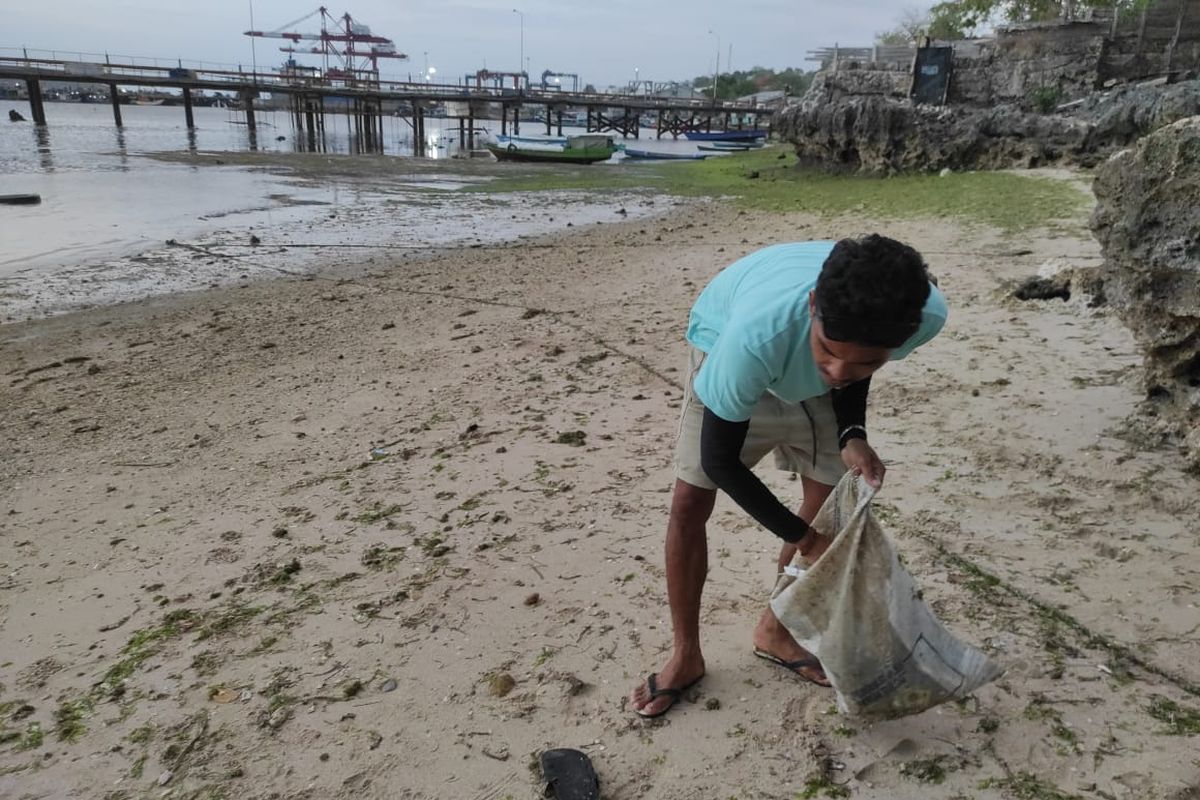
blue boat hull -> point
(725, 136)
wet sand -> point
(173, 222)
(391, 535)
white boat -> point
(533, 141)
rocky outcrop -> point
(880, 135)
(859, 81)
(1147, 220)
(1120, 116)
(878, 132)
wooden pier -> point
(312, 98)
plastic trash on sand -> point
(861, 613)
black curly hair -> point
(871, 291)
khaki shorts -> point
(803, 435)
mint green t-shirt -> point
(753, 322)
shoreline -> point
(237, 514)
(306, 211)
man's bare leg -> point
(687, 567)
(769, 635)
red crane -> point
(350, 43)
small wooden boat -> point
(726, 136)
(577, 150)
(20, 199)
(728, 148)
(652, 155)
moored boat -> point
(738, 145)
(577, 150)
(726, 136)
(652, 155)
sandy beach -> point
(391, 533)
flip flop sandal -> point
(674, 694)
(796, 666)
(569, 775)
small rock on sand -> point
(500, 684)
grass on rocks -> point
(769, 180)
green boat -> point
(577, 150)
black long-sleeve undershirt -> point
(721, 444)
(850, 408)
(721, 458)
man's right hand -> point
(813, 545)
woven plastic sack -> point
(860, 612)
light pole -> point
(717, 69)
(636, 79)
(253, 54)
(521, 63)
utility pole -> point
(717, 68)
(253, 54)
(521, 63)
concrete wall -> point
(1063, 58)
(1067, 61)
(1166, 38)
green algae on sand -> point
(769, 180)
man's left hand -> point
(861, 459)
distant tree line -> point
(731, 85)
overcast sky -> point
(604, 42)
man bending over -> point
(783, 345)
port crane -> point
(548, 74)
(350, 45)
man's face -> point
(842, 363)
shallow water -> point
(108, 210)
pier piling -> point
(354, 125)
(247, 97)
(114, 97)
(248, 107)
(36, 107)
(418, 126)
(379, 117)
(187, 108)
